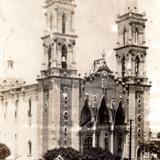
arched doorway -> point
(138, 154)
(87, 144)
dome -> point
(9, 80)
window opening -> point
(63, 23)
(64, 57)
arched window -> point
(120, 115)
(64, 18)
(29, 108)
(124, 36)
(123, 66)
(50, 22)
(103, 115)
(137, 61)
(136, 36)
(87, 144)
(49, 57)
(29, 147)
(85, 114)
(64, 56)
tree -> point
(152, 147)
(66, 153)
(72, 154)
(98, 154)
(4, 151)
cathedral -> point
(104, 109)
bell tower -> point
(59, 83)
(59, 38)
(131, 52)
(131, 49)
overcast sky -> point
(22, 24)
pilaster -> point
(75, 114)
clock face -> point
(104, 74)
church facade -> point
(104, 109)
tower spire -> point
(131, 5)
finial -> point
(103, 54)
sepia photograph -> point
(79, 80)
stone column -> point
(54, 52)
(146, 112)
(39, 122)
(69, 56)
(94, 137)
(46, 18)
(46, 56)
(59, 23)
(112, 138)
(54, 114)
(59, 54)
(126, 147)
(75, 115)
(72, 22)
(118, 36)
(130, 34)
(118, 68)
(132, 115)
(55, 20)
(129, 66)
(73, 56)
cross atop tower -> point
(131, 6)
